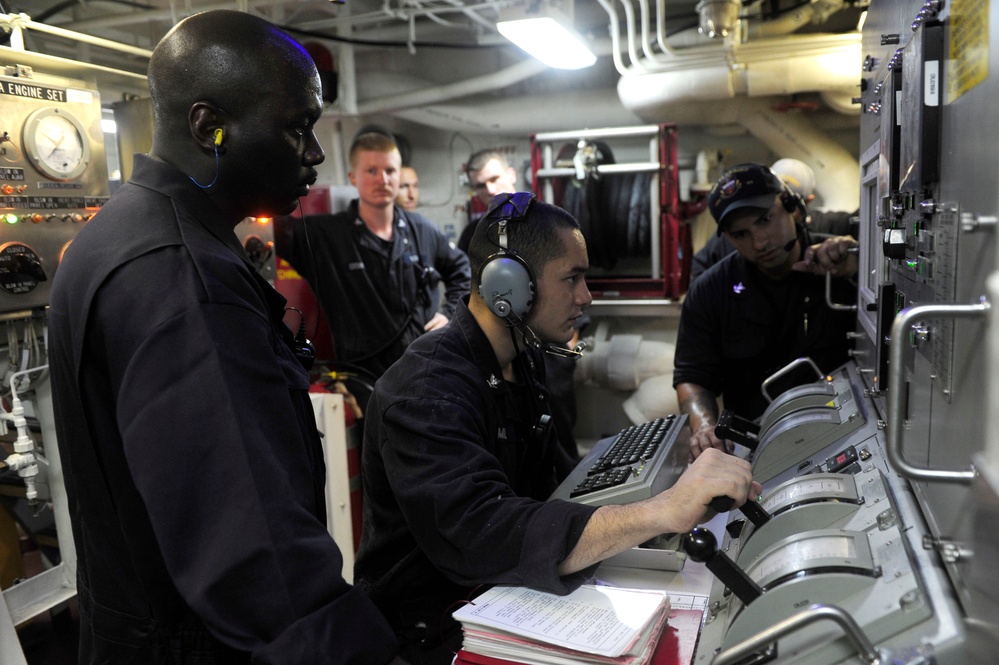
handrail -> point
(794, 364)
(835, 306)
(896, 395)
(812, 614)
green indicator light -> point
(11, 218)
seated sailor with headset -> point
(762, 306)
(459, 455)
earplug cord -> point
(216, 178)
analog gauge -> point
(807, 489)
(816, 551)
(56, 144)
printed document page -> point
(599, 620)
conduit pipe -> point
(822, 46)
(784, 24)
(759, 70)
(629, 20)
(614, 30)
(661, 27)
(778, 27)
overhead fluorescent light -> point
(544, 34)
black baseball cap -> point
(747, 185)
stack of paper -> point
(594, 624)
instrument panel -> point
(53, 179)
(839, 530)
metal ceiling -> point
(440, 49)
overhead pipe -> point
(661, 28)
(614, 30)
(336, 21)
(679, 57)
(794, 20)
(758, 69)
(525, 115)
(16, 23)
(643, 8)
(435, 93)
(837, 171)
(629, 18)
(473, 15)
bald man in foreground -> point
(192, 460)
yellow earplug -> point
(218, 137)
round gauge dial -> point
(56, 144)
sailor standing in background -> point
(761, 306)
(375, 268)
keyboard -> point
(636, 463)
(637, 443)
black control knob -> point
(751, 509)
(20, 268)
(701, 546)
(721, 504)
(25, 264)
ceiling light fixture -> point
(542, 31)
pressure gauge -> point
(56, 144)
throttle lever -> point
(753, 511)
(702, 546)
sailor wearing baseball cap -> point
(760, 307)
(760, 215)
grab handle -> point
(896, 394)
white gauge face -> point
(803, 490)
(55, 142)
(809, 552)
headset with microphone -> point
(792, 202)
(772, 184)
(506, 280)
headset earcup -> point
(507, 286)
(792, 202)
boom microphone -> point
(574, 353)
(797, 232)
(532, 340)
